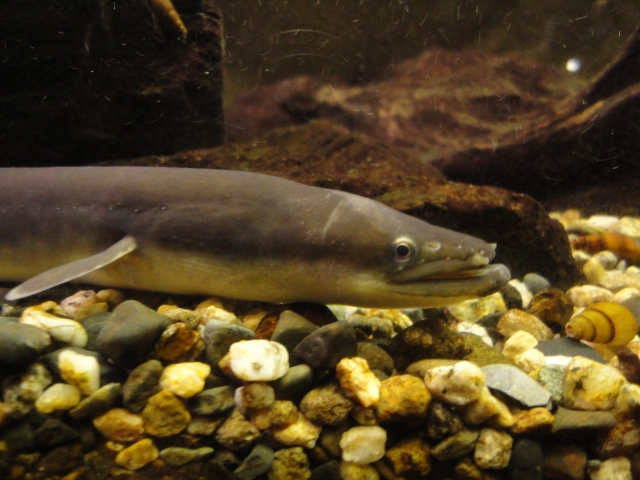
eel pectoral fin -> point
(69, 271)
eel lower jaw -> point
(476, 282)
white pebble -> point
(473, 310)
(363, 444)
(64, 330)
(475, 329)
(530, 360)
(493, 449)
(83, 371)
(585, 295)
(485, 407)
(457, 384)
(625, 294)
(519, 342)
(58, 396)
(258, 360)
(617, 468)
(628, 401)
(589, 385)
(524, 292)
(628, 226)
(358, 382)
(185, 379)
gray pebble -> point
(516, 384)
(535, 283)
(295, 383)
(376, 357)
(129, 335)
(550, 377)
(325, 347)
(256, 463)
(142, 383)
(219, 336)
(93, 325)
(20, 345)
(99, 401)
(291, 329)
(456, 445)
(566, 420)
(213, 401)
(569, 347)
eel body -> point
(234, 234)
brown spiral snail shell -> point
(607, 323)
(625, 247)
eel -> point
(234, 234)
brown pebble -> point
(553, 307)
(515, 320)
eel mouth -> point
(467, 282)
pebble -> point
(128, 337)
(219, 336)
(358, 382)
(165, 415)
(120, 425)
(82, 304)
(410, 457)
(184, 379)
(236, 432)
(295, 383)
(327, 345)
(515, 320)
(626, 294)
(441, 422)
(254, 396)
(575, 421)
(589, 385)
(535, 283)
(326, 405)
(289, 464)
(534, 421)
(621, 440)
(190, 318)
(473, 310)
(628, 401)
(21, 391)
(258, 360)
(526, 460)
(137, 455)
(99, 401)
(373, 326)
(530, 360)
(93, 325)
(178, 456)
(569, 347)
(178, 343)
(403, 398)
(58, 396)
(301, 433)
(213, 313)
(291, 329)
(352, 471)
(585, 295)
(363, 444)
(566, 461)
(522, 289)
(21, 345)
(54, 432)
(456, 445)
(618, 468)
(376, 357)
(256, 463)
(82, 371)
(553, 307)
(64, 330)
(516, 384)
(486, 406)
(493, 449)
(457, 384)
(279, 414)
(142, 383)
(213, 401)
(518, 343)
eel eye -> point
(404, 250)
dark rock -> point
(376, 357)
(482, 354)
(60, 460)
(256, 463)
(326, 405)
(526, 461)
(622, 440)
(142, 383)
(315, 313)
(291, 328)
(18, 436)
(21, 345)
(129, 335)
(93, 325)
(629, 364)
(565, 461)
(569, 347)
(579, 423)
(213, 401)
(441, 422)
(456, 445)
(430, 338)
(553, 307)
(219, 336)
(98, 467)
(327, 471)
(103, 399)
(326, 346)
(54, 432)
(512, 297)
